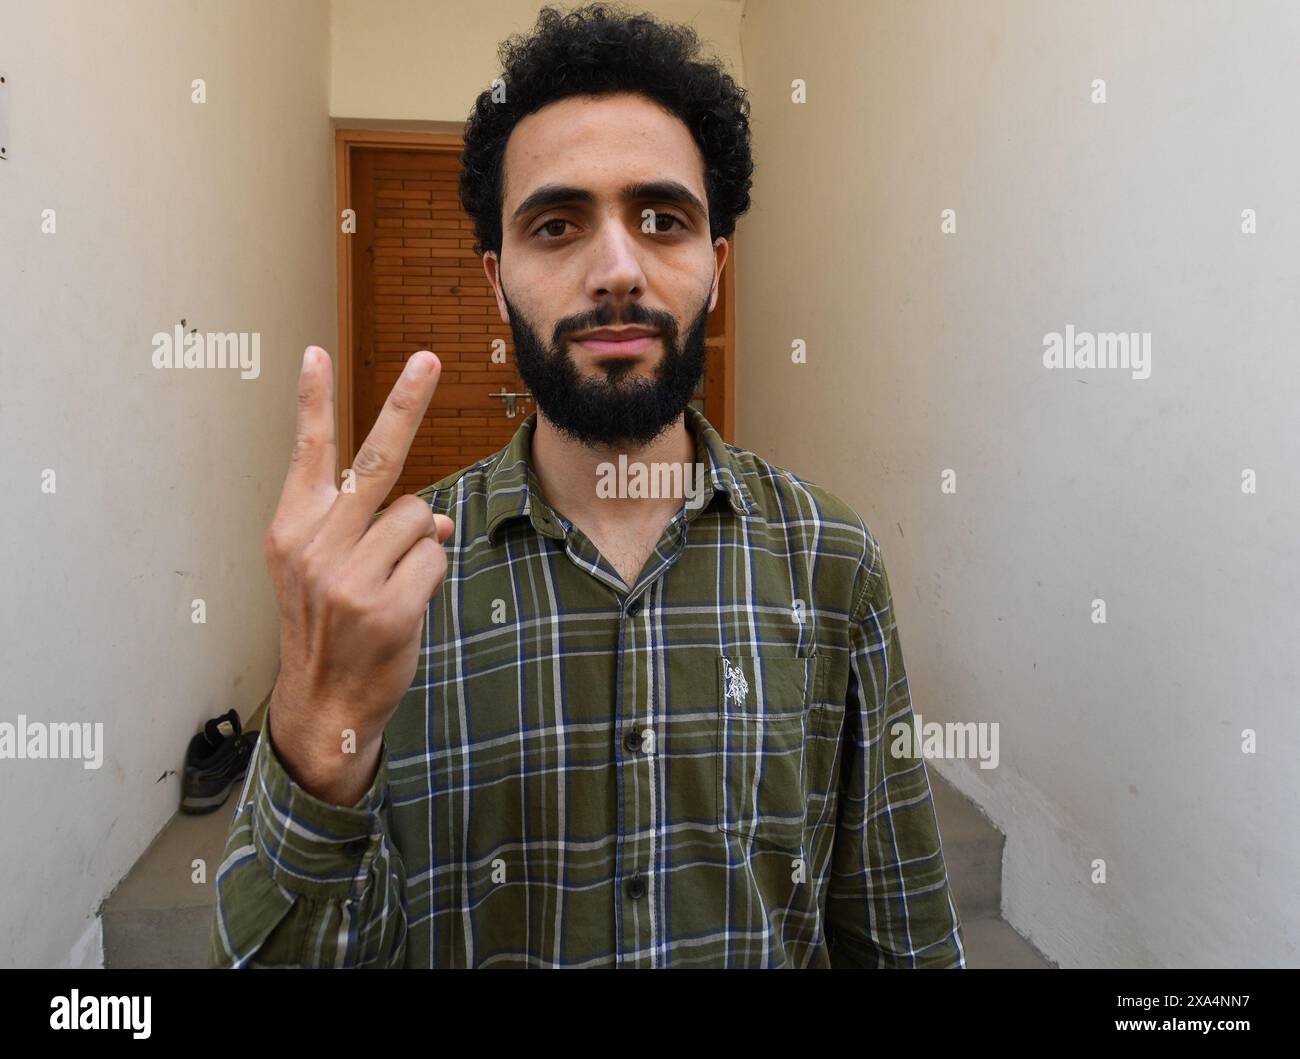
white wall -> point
(1119, 741)
(221, 213)
(427, 60)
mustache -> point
(664, 322)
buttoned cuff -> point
(309, 846)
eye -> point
(660, 216)
(547, 224)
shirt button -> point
(636, 887)
(632, 740)
(634, 608)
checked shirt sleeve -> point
(888, 903)
(303, 883)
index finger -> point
(379, 461)
(311, 464)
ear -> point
(492, 269)
(721, 251)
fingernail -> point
(308, 357)
(419, 365)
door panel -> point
(417, 284)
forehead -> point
(599, 143)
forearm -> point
(306, 883)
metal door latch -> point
(510, 398)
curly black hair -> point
(602, 49)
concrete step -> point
(972, 849)
(160, 917)
(992, 942)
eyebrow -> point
(551, 195)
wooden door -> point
(417, 284)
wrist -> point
(335, 763)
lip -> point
(627, 347)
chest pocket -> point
(763, 703)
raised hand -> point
(352, 588)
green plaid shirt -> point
(693, 773)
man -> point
(522, 722)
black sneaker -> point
(216, 760)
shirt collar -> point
(513, 490)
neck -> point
(569, 470)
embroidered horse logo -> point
(736, 685)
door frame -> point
(348, 140)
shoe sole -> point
(199, 804)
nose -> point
(615, 273)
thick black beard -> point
(616, 411)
